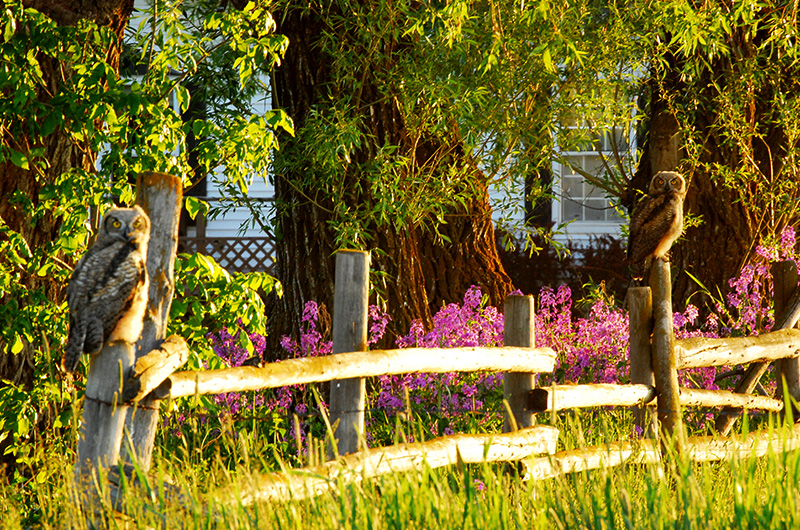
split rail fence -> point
(126, 382)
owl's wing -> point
(649, 221)
(88, 274)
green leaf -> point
(195, 206)
(18, 344)
(548, 60)
(10, 27)
(19, 160)
(182, 96)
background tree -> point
(722, 104)
(406, 113)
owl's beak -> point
(130, 235)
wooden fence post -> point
(640, 323)
(517, 386)
(103, 412)
(160, 195)
(665, 373)
(350, 308)
(784, 279)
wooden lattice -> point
(236, 254)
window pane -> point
(594, 192)
(572, 186)
(594, 165)
(595, 210)
(570, 210)
(612, 215)
(622, 140)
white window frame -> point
(581, 230)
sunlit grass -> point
(750, 493)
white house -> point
(579, 210)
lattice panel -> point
(236, 254)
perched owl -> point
(107, 294)
(656, 222)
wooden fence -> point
(117, 385)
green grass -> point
(753, 493)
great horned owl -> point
(656, 223)
(107, 294)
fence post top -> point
(351, 251)
(516, 296)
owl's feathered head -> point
(667, 182)
(127, 224)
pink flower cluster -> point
(442, 400)
(459, 326)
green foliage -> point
(480, 95)
(207, 297)
(60, 85)
(728, 74)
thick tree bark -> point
(418, 271)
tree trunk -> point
(417, 270)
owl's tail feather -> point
(74, 348)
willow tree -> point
(723, 108)
(406, 113)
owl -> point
(107, 294)
(656, 222)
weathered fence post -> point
(160, 195)
(350, 308)
(517, 386)
(103, 412)
(784, 280)
(640, 304)
(663, 356)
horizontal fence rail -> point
(565, 397)
(698, 449)
(362, 364)
(439, 452)
(700, 351)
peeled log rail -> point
(698, 449)
(362, 364)
(565, 397)
(700, 351)
(692, 397)
(153, 369)
(595, 457)
(439, 452)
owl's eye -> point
(660, 182)
(116, 224)
(674, 182)
(137, 223)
